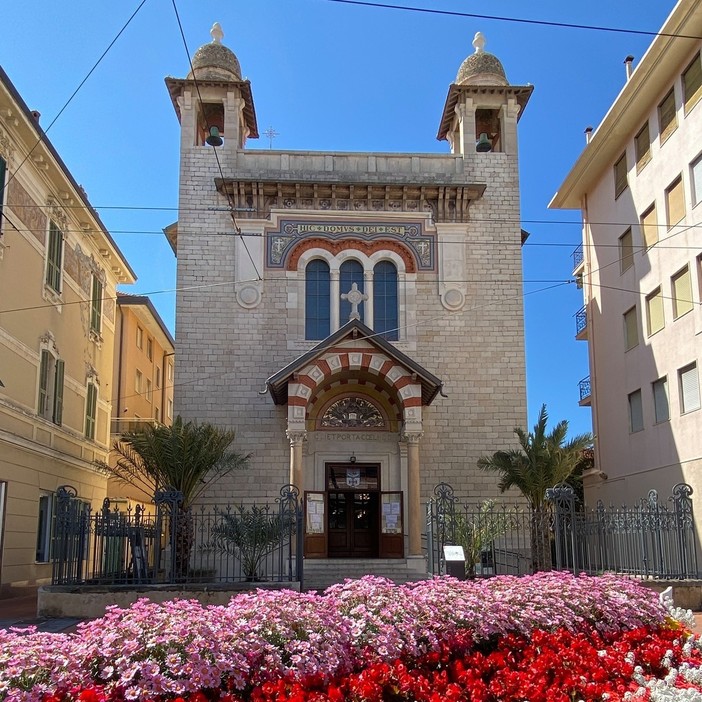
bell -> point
(483, 145)
(214, 139)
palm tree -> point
(186, 457)
(542, 461)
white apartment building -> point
(638, 184)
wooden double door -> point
(353, 518)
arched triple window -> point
(327, 306)
(385, 315)
(317, 300)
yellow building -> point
(143, 375)
(58, 270)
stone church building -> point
(356, 317)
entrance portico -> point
(355, 426)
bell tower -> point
(482, 108)
(213, 103)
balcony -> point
(122, 426)
(578, 261)
(581, 324)
(585, 393)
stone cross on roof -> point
(355, 297)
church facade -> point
(356, 317)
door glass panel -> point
(361, 511)
(337, 510)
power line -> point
(43, 132)
(517, 20)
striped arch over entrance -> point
(357, 356)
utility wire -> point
(518, 20)
(43, 132)
(214, 148)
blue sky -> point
(329, 76)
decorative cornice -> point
(7, 150)
(57, 214)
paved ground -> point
(22, 611)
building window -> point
(660, 400)
(149, 393)
(170, 372)
(654, 312)
(350, 272)
(692, 83)
(51, 371)
(620, 181)
(157, 414)
(96, 306)
(385, 316)
(3, 171)
(649, 227)
(44, 523)
(626, 251)
(169, 406)
(675, 202)
(635, 412)
(139, 382)
(54, 258)
(631, 332)
(91, 411)
(682, 292)
(642, 144)
(317, 300)
(667, 119)
(696, 179)
(689, 388)
(158, 377)
(139, 338)
(149, 348)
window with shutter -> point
(635, 412)
(96, 306)
(642, 144)
(3, 171)
(696, 179)
(54, 257)
(649, 227)
(58, 393)
(692, 83)
(689, 388)
(90, 411)
(660, 400)
(45, 368)
(667, 119)
(654, 312)
(675, 202)
(682, 293)
(626, 251)
(631, 333)
(620, 181)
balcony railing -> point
(120, 426)
(581, 323)
(578, 257)
(585, 391)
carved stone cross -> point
(355, 297)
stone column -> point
(335, 299)
(414, 506)
(297, 477)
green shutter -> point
(692, 83)
(90, 411)
(53, 259)
(58, 393)
(3, 169)
(96, 306)
(43, 384)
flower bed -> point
(548, 637)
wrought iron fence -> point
(496, 538)
(581, 320)
(584, 387)
(652, 539)
(205, 544)
(578, 256)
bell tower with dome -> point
(355, 317)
